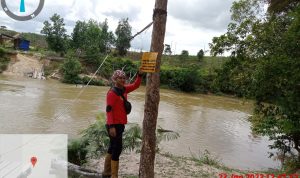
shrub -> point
(96, 82)
(2, 52)
(71, 68)
(94, 141)
(77, 152)
(180, 78)
(4, 61)
(118, 63)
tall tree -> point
(184, 54)
(200, 54)
(265, 65)
(107, 38)
(152, 95)
(79, 35)
(123, 34)
(55, 33)
(71, 69)
(93, 39)
(167, 50)
(279, 6)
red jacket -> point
(117, 114)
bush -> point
(235, 77)
(96, 82)
(206, 158)
(4, 61)
(180, 78)
(184, 55)
(51, 68)
(118, 63)
(77, 152)
(2, 52)
(200, 54)
(94, 141)
(71, 68)
(204, 84)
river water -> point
(204, 122)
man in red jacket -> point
(116, 119)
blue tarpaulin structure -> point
(22, 44)
(19, 42)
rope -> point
(73, 101)
(131, 38)
(81, 91)
(79, 94)
(132, 77)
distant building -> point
(21, 44)
(18, 42)
(4, 38)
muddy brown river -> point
(205, 122)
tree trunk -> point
(147, 158)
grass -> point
(4, 61)
(129, 176)
(207, 65)
(52, 67)
(206, 158)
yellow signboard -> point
(148, 63)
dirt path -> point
(22, 65)
(165, 166)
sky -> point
(191, 24)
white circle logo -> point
(22, 9)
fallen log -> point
(74, 170)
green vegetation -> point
(92, 39)
(265, 66)
(56, 34)
(71, 68)
(51, 68)
(93, 81)
(180, 78)
(37, 41)
(184, 54)
(114, 63)
(123, 33)
(190, 74)
(3, 60)
(200, 54)
(207, 158)
(167, 50)
(94, 141)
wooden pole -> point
(152, 97)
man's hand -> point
(112, 132)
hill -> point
(37, 41)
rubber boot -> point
(107, 166)
(114, 169)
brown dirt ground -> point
(23, 64)
(166, 166)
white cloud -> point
(191, 24)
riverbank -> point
(167, 165)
